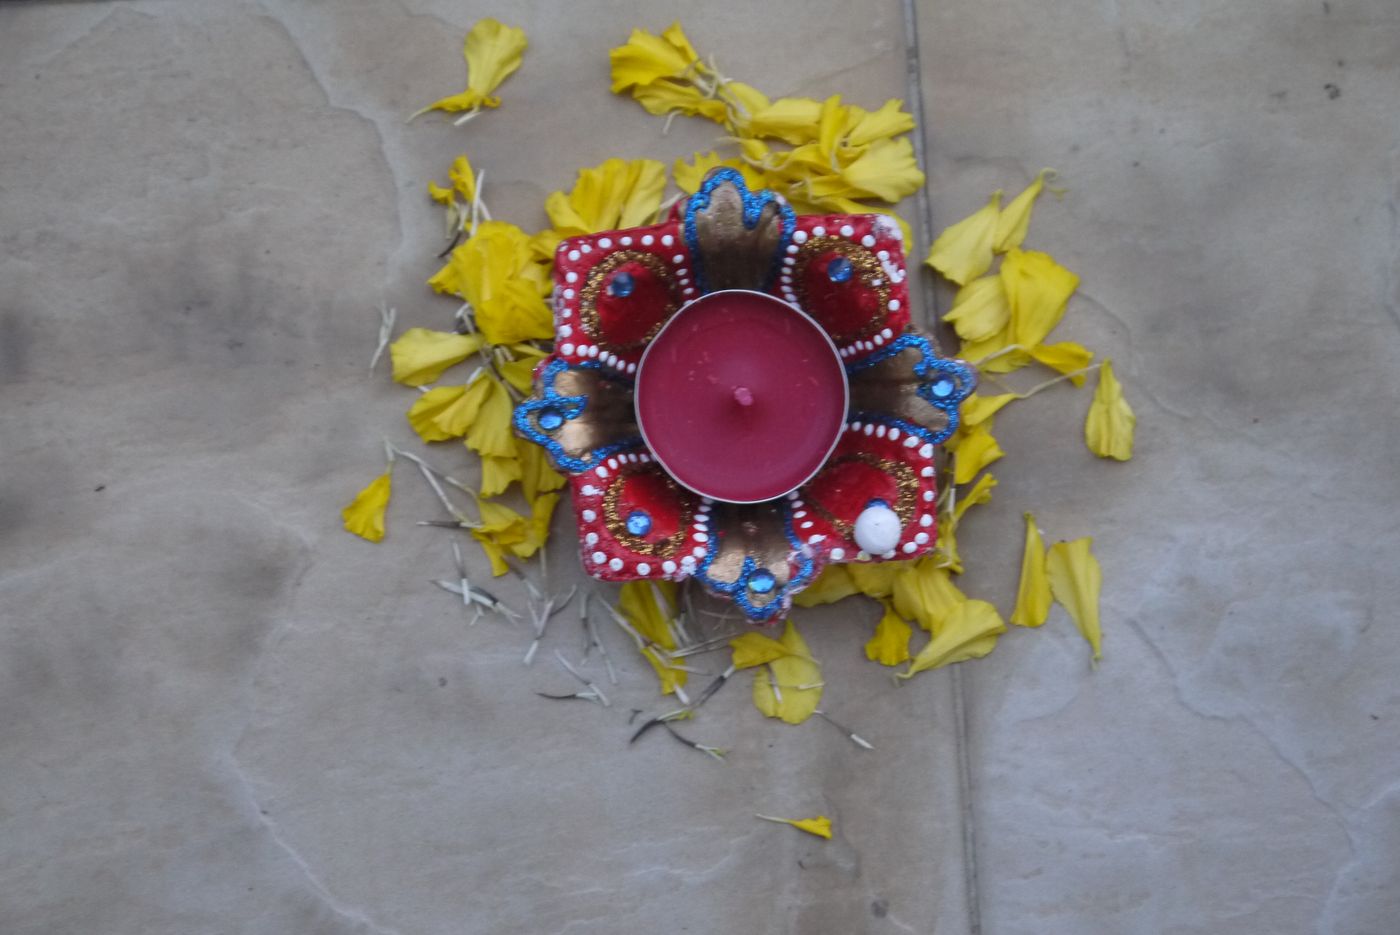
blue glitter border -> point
(571, 407)
(926, 370)
(738, 590)
(754, 203)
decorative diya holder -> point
(738, 397)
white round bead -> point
(877, 529)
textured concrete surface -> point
(222, 714)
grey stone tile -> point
(1232, 176)
(223, 714)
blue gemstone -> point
(839, 269)
(762, 581)
(639, 522)
(550, 419)
(621, 285)
(944, 386)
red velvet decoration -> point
(637, 482)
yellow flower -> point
(442, 196)
(1066, 357)
(980, 309)
(493, 52)
(832, 585)
(497, 474)
(1037, 289)
(977, 409)
(1033, 593)
(614, 194)
(491, 432)
(1075, 580)
(1016, 217)
(536, 474)
(520, 372)
(1108, 430)
(502, 530)
(819, 826)
(667, 97)
(970, 632)
(925, 593)
(980, 493)
(450, 411)
(886, 170)
(496, 272)
(365, 514)
(421, 355)
(890, 644)
(947, 548)
(964, 251)
(874, 579)
(646, 59)
(650, 607)
(974, 448)
(689, 175)
(798, 680)
(754, 649)
(790, 119)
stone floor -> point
(224, 715)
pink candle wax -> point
(741, 397)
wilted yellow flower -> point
(970, 632)
(820, 826)
(832, 585)
(365, 514)
(497, 474)
(924, 592)
(1015, 218)
(874, 579)
(493, 52)
(798, 680)
(1109, 427)
(689, 175)
(537, 476)
(754, 649)
(496, 272)
(1066, 357)
(1075, 580)
(977, 408)
(1037, 289)
(1033, 593)
(890, 644)
(420, 355)
(490, 432)
(980, 493)
(520, 372)
(650, 607)
(964, 251)
(973, 448)
(503, 530)
(615, 194)
(980, 309)
(646, 59)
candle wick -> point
(743, 396)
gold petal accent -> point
(607, 417)
(891, 388)
(735, 256)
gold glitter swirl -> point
(863, 264)
(906, 482)
(597, 282)
(617, 524)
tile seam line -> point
(924, 207)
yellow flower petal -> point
(442, 196)
(536, 530)
(646, 59)
(444, 412)
(650, 607)
(793, 120)
(1109, 427)
(421, 355)
(874, 579)
(493, 52)
(1066, 357)
(754, 649)
(1075, 580)
(820, 826)
(970, 632)
(496, 272)
(666, 97)
(689, 175)
(980, 493)
(536, 474)
(946, 551)
(365, 514)
(1038, 289)
(924, 592)
(491, 431)
(1016, 217)
(886, 170)
(979, 309)
(890, 644)
(867, 126)
(973, 449)
(497, 474)
(832, 585)
(964, 251)
(463, 179)
(1033, 593)
(615, 194)
(520, 373)
(798, 680)
(977, 409)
